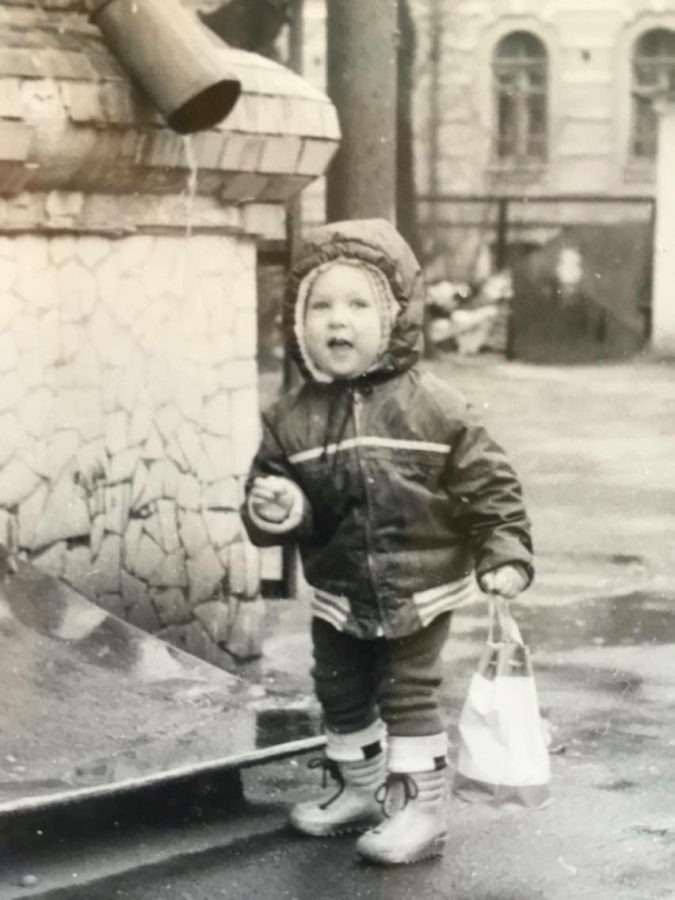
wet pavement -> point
(594, 448)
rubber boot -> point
(416, 827)
(353, 807)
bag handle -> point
(500, 615)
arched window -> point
(653, 74)
(520, 69)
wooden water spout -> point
(175, 59)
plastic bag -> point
(502, 751)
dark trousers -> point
(399, 680)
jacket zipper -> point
(357, 406)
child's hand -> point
(507, 581)
(271, 498)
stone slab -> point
(92, 707)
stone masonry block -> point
(30, 511)
(223, 527)
(172, 571)
(189, 492)
(8, 353)
(153, 449)
(196, 640)
(146, 559)
(246, 334)
(77, 291)
(152, 486)
(49, 337)
(97, 534)
(193, 533)
(92, 250)
(218, 451)
(130, 541)
(217, 414)
(61, 449)
(13, 437)
(30, 368)
(31, 253)
(252, 562)
(35, 412)
(189, 401)
(17, 481)
(143, 615)
(12, 391)
(170, 605)
(215, 617)
(51, 560)
(116, 431)
(117, 502)
(239, 373)
(237, 569)
(108, 564)
(205, 572)
(175, 453)
(222, 494)
(168, 420)
(246, 634)
(245, 412)
(37, 288)
(140, 423)
(81, 409)
(78, 570)
(83, 370)
(123, 465)
(168, 525)
(37, 459)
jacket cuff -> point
(292, 520)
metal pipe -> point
(173, 57)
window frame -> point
(643, 134)
(531, 72)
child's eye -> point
(360, 303)
(318, 304)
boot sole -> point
(357, 827)
(428, 851)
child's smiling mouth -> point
(337, 343)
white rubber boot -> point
(353, 807)
(415, 807)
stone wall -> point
(128, 418)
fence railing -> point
(507, 216)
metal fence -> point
(459, 226)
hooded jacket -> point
(404, 495)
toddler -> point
(398, 501)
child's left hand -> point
(507, 581)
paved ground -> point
(594, 448)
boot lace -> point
(398, 785)
(328, 767)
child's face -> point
(343, 329)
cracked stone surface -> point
(129, 417)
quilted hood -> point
(376, 243)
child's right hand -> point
(271, 498)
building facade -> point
(535, 97)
